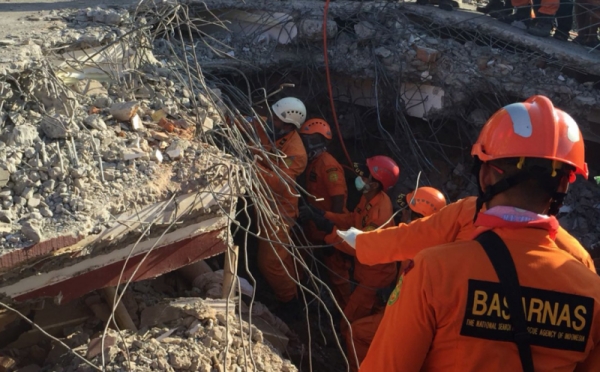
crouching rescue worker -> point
(464, 305)
(325, 180)
(374, 210)
(278, 177)
(422, 202)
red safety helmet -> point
(384, 170)
(426, 200)
(319, 126)
(532, 129)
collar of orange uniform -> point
(367, 205)
(514, 218)
(280, 142)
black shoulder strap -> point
(504, 265)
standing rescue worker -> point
(374, 210)
(278, 176)
(539, 23)
(454, 312)
(422, 202)
(324, 175)
(325, 180)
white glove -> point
(349, 236)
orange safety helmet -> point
(384, 170)
(319, 126)
(532, 129)
(426, 200)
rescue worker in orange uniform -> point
(453, 312)
(374, 210)
(325, 181)
(453, 223)
(324, 175)
(539, 23)
(278, 177)
(422, 202)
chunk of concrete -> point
(31, 231)
(136, 123)
(95, 347)
(95, 121)
(4, 177)
(134, 153)
(124, 111)
(57, 127)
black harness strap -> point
(504, 266)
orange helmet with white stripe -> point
(426, 200)
(532, 129)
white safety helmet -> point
(290, 110)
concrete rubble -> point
(109, 125)
(74, 156)
(187, 333)
(463, 55)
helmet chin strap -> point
(558, 199)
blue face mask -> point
(359, 183)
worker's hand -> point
(323, 224)
(308, 212)
(349, 236)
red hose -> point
(329, 89)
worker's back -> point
(324, 179)
(455, 300)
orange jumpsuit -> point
(271, 255)
(324, 179)
(366, 216)
(451, 315)
(452, 223)
(436, 231)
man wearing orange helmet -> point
(325, 180)
(374, 210)
(422, 202)
(326, 186)
(466, 304)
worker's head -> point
(290, 114)
(315, 134)
(526, 156)
(380, 174)
(425, 201)
(419, 203)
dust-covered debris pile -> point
(84, 144)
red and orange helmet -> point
(314, 126)
(532, 129)
(426, 200)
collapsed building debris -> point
(459, 53)
(115, 164)
(178, 334)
